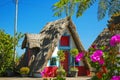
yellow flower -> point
(24, 70)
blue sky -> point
(34, 14)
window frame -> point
(65, 47)
(68, 41)
(53, 62)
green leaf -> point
(6, 50)
(74, 52)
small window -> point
(53, 61)
(65, 41)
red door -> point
(65, 62)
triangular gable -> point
(47, 41)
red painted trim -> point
(28, 55)
(65, 41)
(83, 71)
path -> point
(67, 78)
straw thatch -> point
(103, 38)
(33, 40)
(113, 28)
(47, 40)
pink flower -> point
(43, 73)
(96, 55)
(115, 78)
(95, 58)
(115, 40)
(79, 57)
(101, 61)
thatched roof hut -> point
(104, 37)
(47, 40)
(113, 28)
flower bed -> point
(106, 64)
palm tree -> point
(108, 6)
(79, 6)
(70, 6)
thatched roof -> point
(103, 38)
(114, 23)
(52, 32)
(47, 40)
(32, 39)
(113, 28)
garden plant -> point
(105, 61)
(61, 57)
(24, 71)
(74, 53)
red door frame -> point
(65, 63)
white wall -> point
(54, 55)
(72, 45)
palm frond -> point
(59, 7)
(114, 7)
(83, 5)
(58, 11)
(91, 2)
(71, 8)
(102, 8)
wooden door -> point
(65, 62)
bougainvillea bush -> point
(104, 61)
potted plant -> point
(24, 71)
(61, 72)
(74, 70)
(61, 57)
